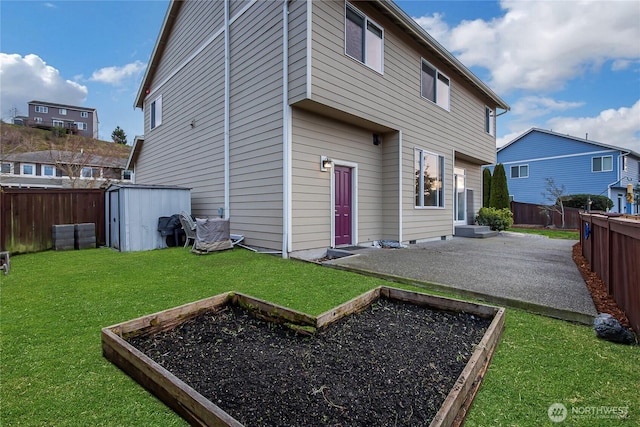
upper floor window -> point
(41, 109)
(624, 163)
(521, 171)
(88, 172)
(488, 121)
(602, 164)
(429, 175)
(48, 170)
(7, 167)
(62, 111)
(435, 85)
(84, 114)
(156, 112)
(28, 169)
(363, 38)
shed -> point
(132, 212)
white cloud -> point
(30, 78)
(540, 45)
(619, 127)
(530, 107)
(116, 75)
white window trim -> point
(442, 162)
(519, 173)
(41, 109)
(84, 114)
(438, 73)
(81, 125)
(62, 111)
(491, 118)
(367, 20)
(42, 169)
(22, 165)
(90, 177)
(10, 168)
(37, 119)
(155, 110)
(60, 122)
(601, 164)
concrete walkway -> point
(512, 269)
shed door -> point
(114, 219)
(343, 205)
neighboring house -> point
(581, 165)
(77, 120)
(61, 169)
(314, 124)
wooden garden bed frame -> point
(199, 411)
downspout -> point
(226, 108)
(400, 211)
(286, 135)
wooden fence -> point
(27, 215)
(611, 245)
(531, 214)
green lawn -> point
(552, 233)
(53, 305)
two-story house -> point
(314, 124)
(78, 120)
(581, 165)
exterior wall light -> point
(325, 163)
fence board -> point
(613, 252)
(28, 214)
(531, 214)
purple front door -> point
(343, 203)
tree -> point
(486, 187)
(499, 197)
(118, 136)
(555, 195)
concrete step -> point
(474, 231)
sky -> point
(569, 66)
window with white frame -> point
(435, 85)
(58, 123)
(62, 111)
(602, 164)
(521, 171)
(488, 121)
(41, 109)
(48, 170)
(429, 179)
(37, 119)
(7, 167)
(624, 163)
(84, 114)
(156, 112)
(28, 169)
(88, 172)
(81, 126)
(363, 39)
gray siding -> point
(175, 153)
(298, 51)
(393, 99)
(315, 136)
(256, 155)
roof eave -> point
(161, 42)
(412, 26)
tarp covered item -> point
(212, 234)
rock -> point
(608, 328)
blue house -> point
(581, 165)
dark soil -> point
(392, 364)
(599, 293)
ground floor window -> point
(429, 182)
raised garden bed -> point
(387, 357)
